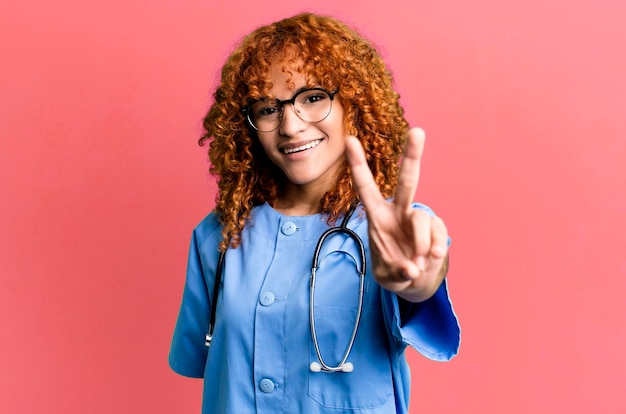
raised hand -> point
(408, 247)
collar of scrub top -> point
(320, 365)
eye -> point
(263, 109)
(266, 111)
(313, 97)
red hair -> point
(330, 55)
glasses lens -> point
(265, 114)
(311, 105)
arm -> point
(187, 352)
(409, 249)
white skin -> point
(408, 248)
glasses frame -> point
(281, 105)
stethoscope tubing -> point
(219, 271)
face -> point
(309, 154)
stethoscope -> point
(320, 365)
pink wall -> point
(101, 182)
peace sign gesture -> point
(408, 247)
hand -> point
(408, 247)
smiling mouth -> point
(304, 147)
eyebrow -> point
(297, 91)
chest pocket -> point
(370, 385)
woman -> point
(304, 127)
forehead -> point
(285, 76)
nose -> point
(291, 123)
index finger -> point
(409, 175)
(364, 182)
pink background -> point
(524, 106)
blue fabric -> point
(261, 350)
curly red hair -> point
(332, 56)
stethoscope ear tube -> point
(317, 367)
(343, 366)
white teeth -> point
(310, 145)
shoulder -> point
(424, 208)
(208, 230)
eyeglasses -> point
(311, 105)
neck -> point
(298, 201)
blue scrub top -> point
(262, 348)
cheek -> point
(264, 143)
(337, 118)
(268, 148)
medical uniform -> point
(259, 358)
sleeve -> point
(187, 352)
(430, 327)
